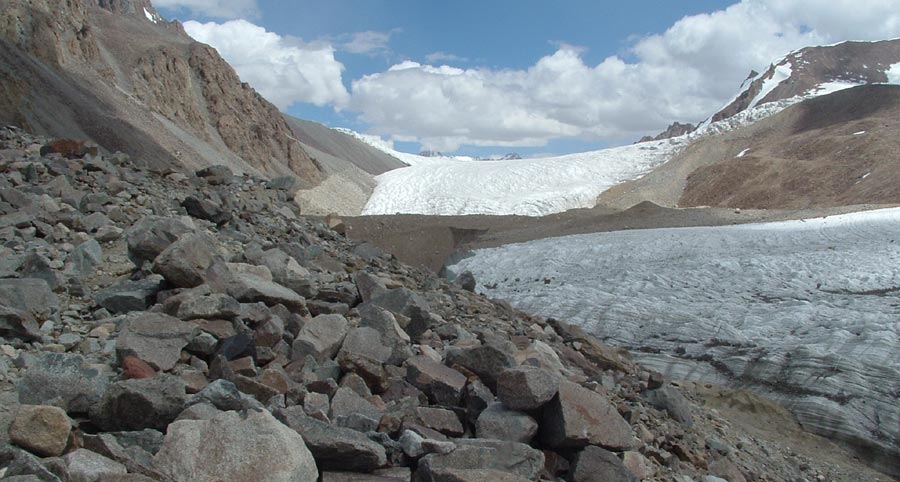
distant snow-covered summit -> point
(808, 72)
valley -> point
(181, 256)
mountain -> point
(115, 73)
(349, 167)
(805, 72)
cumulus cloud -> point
(283, 69)
(685, 73)
(213, 8)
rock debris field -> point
(194, 327)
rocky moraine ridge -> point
(194, 326)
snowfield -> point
(447, 186)
(805, 311)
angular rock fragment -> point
(578, 417)
(499, 423)
(526, 388)
(320, 338)
(489, 455)
(334, 448)
(184, 262)
(593, 464)
(442, 385)
(155, 338)
(64, 380)
(42, 430)
(130, 296)
(236, 446)
(141, 403)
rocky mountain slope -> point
(810, 70)
(840, 149)
(349, 167)
(115, 73)
(164, 327)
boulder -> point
(42, 430)
(217, 174)
(30, 295)
(363, 353)
(287, 271)
(156, 338)
(184, 262)
(487, 361)
(392, 335)
(526, 388)
(18, 324)
(64, 380)
(212, 306)
(593, 464)
(499, 423)
(147, 238)
(334, 448)
(442, 385)
(206, 209)
(20, 465)
(235, 446)
(466, 281)
(440, 419)
(86, 466)
(320, 338)
(671, 400)
(83, 260)
(250, 284)
(225, 396)
(578, 417)
(401, 301)
(130, 296)
(368, 285)
(488, 455)
(141, 403)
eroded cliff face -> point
(56, 34)
(105, 64)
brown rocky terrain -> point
(194, 327)
(105, 72)
(836, 150)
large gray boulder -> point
(184, 262)
(487, 361)
(593, 464)
(499, 423)
(443, 385)
(64, 380)
(489, 455)
(251, 284)
(31, 295)
(235, 446)
(334, 448)
(668, 398)
(155, 338)
(129, 296)
(392, 335)
(85, 466)
(150, 236)
(320, 338)
(578, 417)
(18, 324)
(141, 403)
(526, 387)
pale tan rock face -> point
(43, 430)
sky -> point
(527, 76)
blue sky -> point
(527, 76)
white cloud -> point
(685, 73)
(213, 8)
(369, 42)
(283, 69)
(438, 57)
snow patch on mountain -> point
(779, 75)
(893, 74)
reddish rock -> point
(134, 367)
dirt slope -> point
(836, 150)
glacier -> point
(806, 312)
